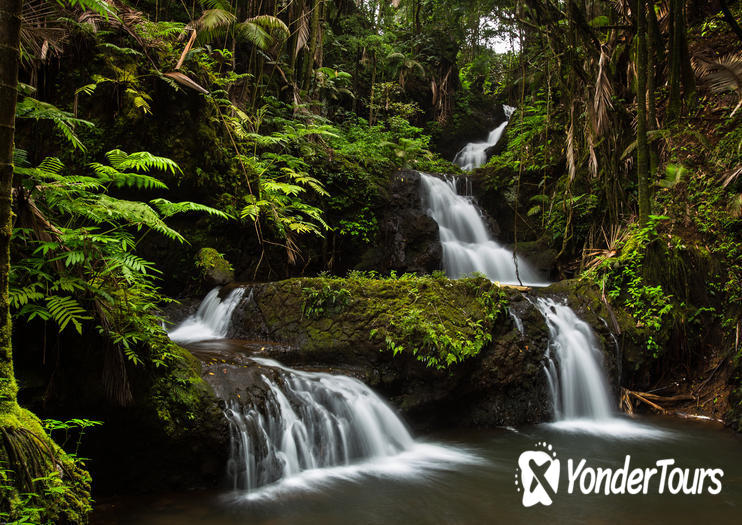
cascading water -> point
(474, 154)
(290, 427)
(212, 319)
(467, 245)
(576, 377)
(575, 371)
(308, 421)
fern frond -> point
(66, 310)
(107, 174)
(20, 297)
(121, 50)
(168, 209)
(64, 121)
(141, 161)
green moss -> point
(182, 401)
(39, 482)
(438, 321)
(214, 265)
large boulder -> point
(380, 332)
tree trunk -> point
(673, 105)
(730, 19)
(642, 160)
(315, 39)
(373, 89)
(652, 60)
(10, 24)
(681, 72)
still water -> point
(468, 477)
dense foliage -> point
(264, 137)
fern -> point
(109, 174)
(21, 296)
(64, 122)
(168, 209)
(141, 161)
(121, 50)
(65, 310)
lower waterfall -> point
(293, 428)
(576, 377)
(309, 420)
(577, 381)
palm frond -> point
(302, 33)
(722, 74)
(185, 80)
(214, 23)
(224, 5)
(255, 34)
(603, 93)
(732, 176)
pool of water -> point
(469, 477)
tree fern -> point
(64, 122)
(109, 174)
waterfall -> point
(474, 154)
(309, 420)
(467, 245)
(212, 319)
(296, 430)
(576, 378)
(574, 365)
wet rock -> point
(408, 239)
(541, 256)
(503, 385)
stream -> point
(311, 447)
(463, 476)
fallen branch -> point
(649, 399)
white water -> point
(474, 155)
(467, 245)
(212, 319)
(314, 427)
(576, 378)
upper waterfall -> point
(212, 319)
(467, 245)
(474, 154)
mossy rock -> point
(499, 381)
(175, 434)
(214, 267)
(40, 483)
(169, 434)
